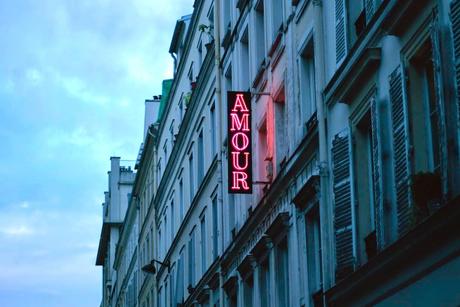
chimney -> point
(152, 108)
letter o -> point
(244, 140)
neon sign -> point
(239, 142)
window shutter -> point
(340, 31)
(343, 215)
(399, 118)
(455, 18)
(369, 9)
(178, 294)
(438, 117)
(377, 174)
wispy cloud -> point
(78, 89)
(16, 230)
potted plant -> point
(193, 85)
(187, 98)
(207, 29)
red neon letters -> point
(239, 143)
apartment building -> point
(120, 182)
(351, 195)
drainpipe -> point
(220, 138)
(325, 208)
(219, 126)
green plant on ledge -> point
(187, 98)
(208, 30)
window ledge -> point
(346, 81)
(436, 239)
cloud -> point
(9, 86)
(24, 204)
(78, 89)
(33, 76)
(17, 230)
(137, 69)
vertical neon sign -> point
(239, 142)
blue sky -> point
(73, 79)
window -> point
(191, 177)
(203, 242)
(282, 274)
(166, 230)
(244, 63)
(231, 216)
(191, 259)
(367, 182)
(424, 117)
(264, 284)
(200, 54)
(190, 75)
(151, 243)
(214, 227)
(213, 130)
(263, 154)
(281, 135)
(160, 242)
(226, 14)
(159, 170)
(172, 298)
(181, 106)
(180, 277)
(173, 230)
(148, 257)
(171, 134)
(165, 151)
(166, 293)
(181, 200)
(159, 297)
(307, 83)
(200, 157)
(248, 290)
(259, 42)
(210, 17)
(313, 236)
(351, 19)
(232, 297)
(277, 16)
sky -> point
(74, 75)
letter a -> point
(240, 103)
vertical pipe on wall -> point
(325, 208)
(220, 137)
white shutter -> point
(455, 18)
(437, 117)
(343, 205)
(377, 174)
(399, 118)
(369, 7)
(179, 286)
(340, 31)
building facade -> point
(355, 166)
(114, 209)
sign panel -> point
(239, 142)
